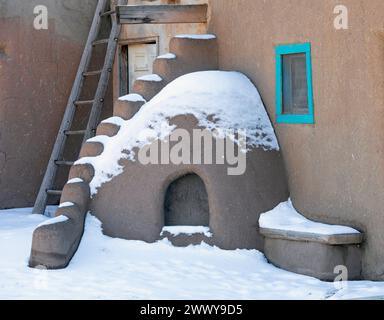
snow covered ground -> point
(106, 268)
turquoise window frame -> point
(282, 50)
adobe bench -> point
(308, 252)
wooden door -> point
(140, 61)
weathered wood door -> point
(140, 60)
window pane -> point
(295, 88)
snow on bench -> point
(285, 222)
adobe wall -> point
(37, 69)
(335, 167)
(131, 205)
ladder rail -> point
(58, 149)
(104, 80)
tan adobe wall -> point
(335, 167)
(37, 69)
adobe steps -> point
(55, 244)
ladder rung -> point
(84, 102)
(54, 192)
(107, 13)
(75, 133)
(64, 163)
(92, 73)
(101, 41)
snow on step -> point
(114, 120)
(285, 217)
(168, 56)
(196, 36)
(75, 180)
(151, 77)
(133, 97)
(66, 205)
(58, 219)
(98, 139)
(187, 230)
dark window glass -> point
(295, 85)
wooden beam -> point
(162, 14)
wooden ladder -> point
(56, 160)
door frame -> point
(124, 59)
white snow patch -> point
(151, 77)
(106, 268)
(133, 97)
(196, 36)
(285, 217)
(99, 139)
(187, 230)
(55, 220)
(66, 205)
(167, 56)
(114, 120)
(75, 180)
(219, 100)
